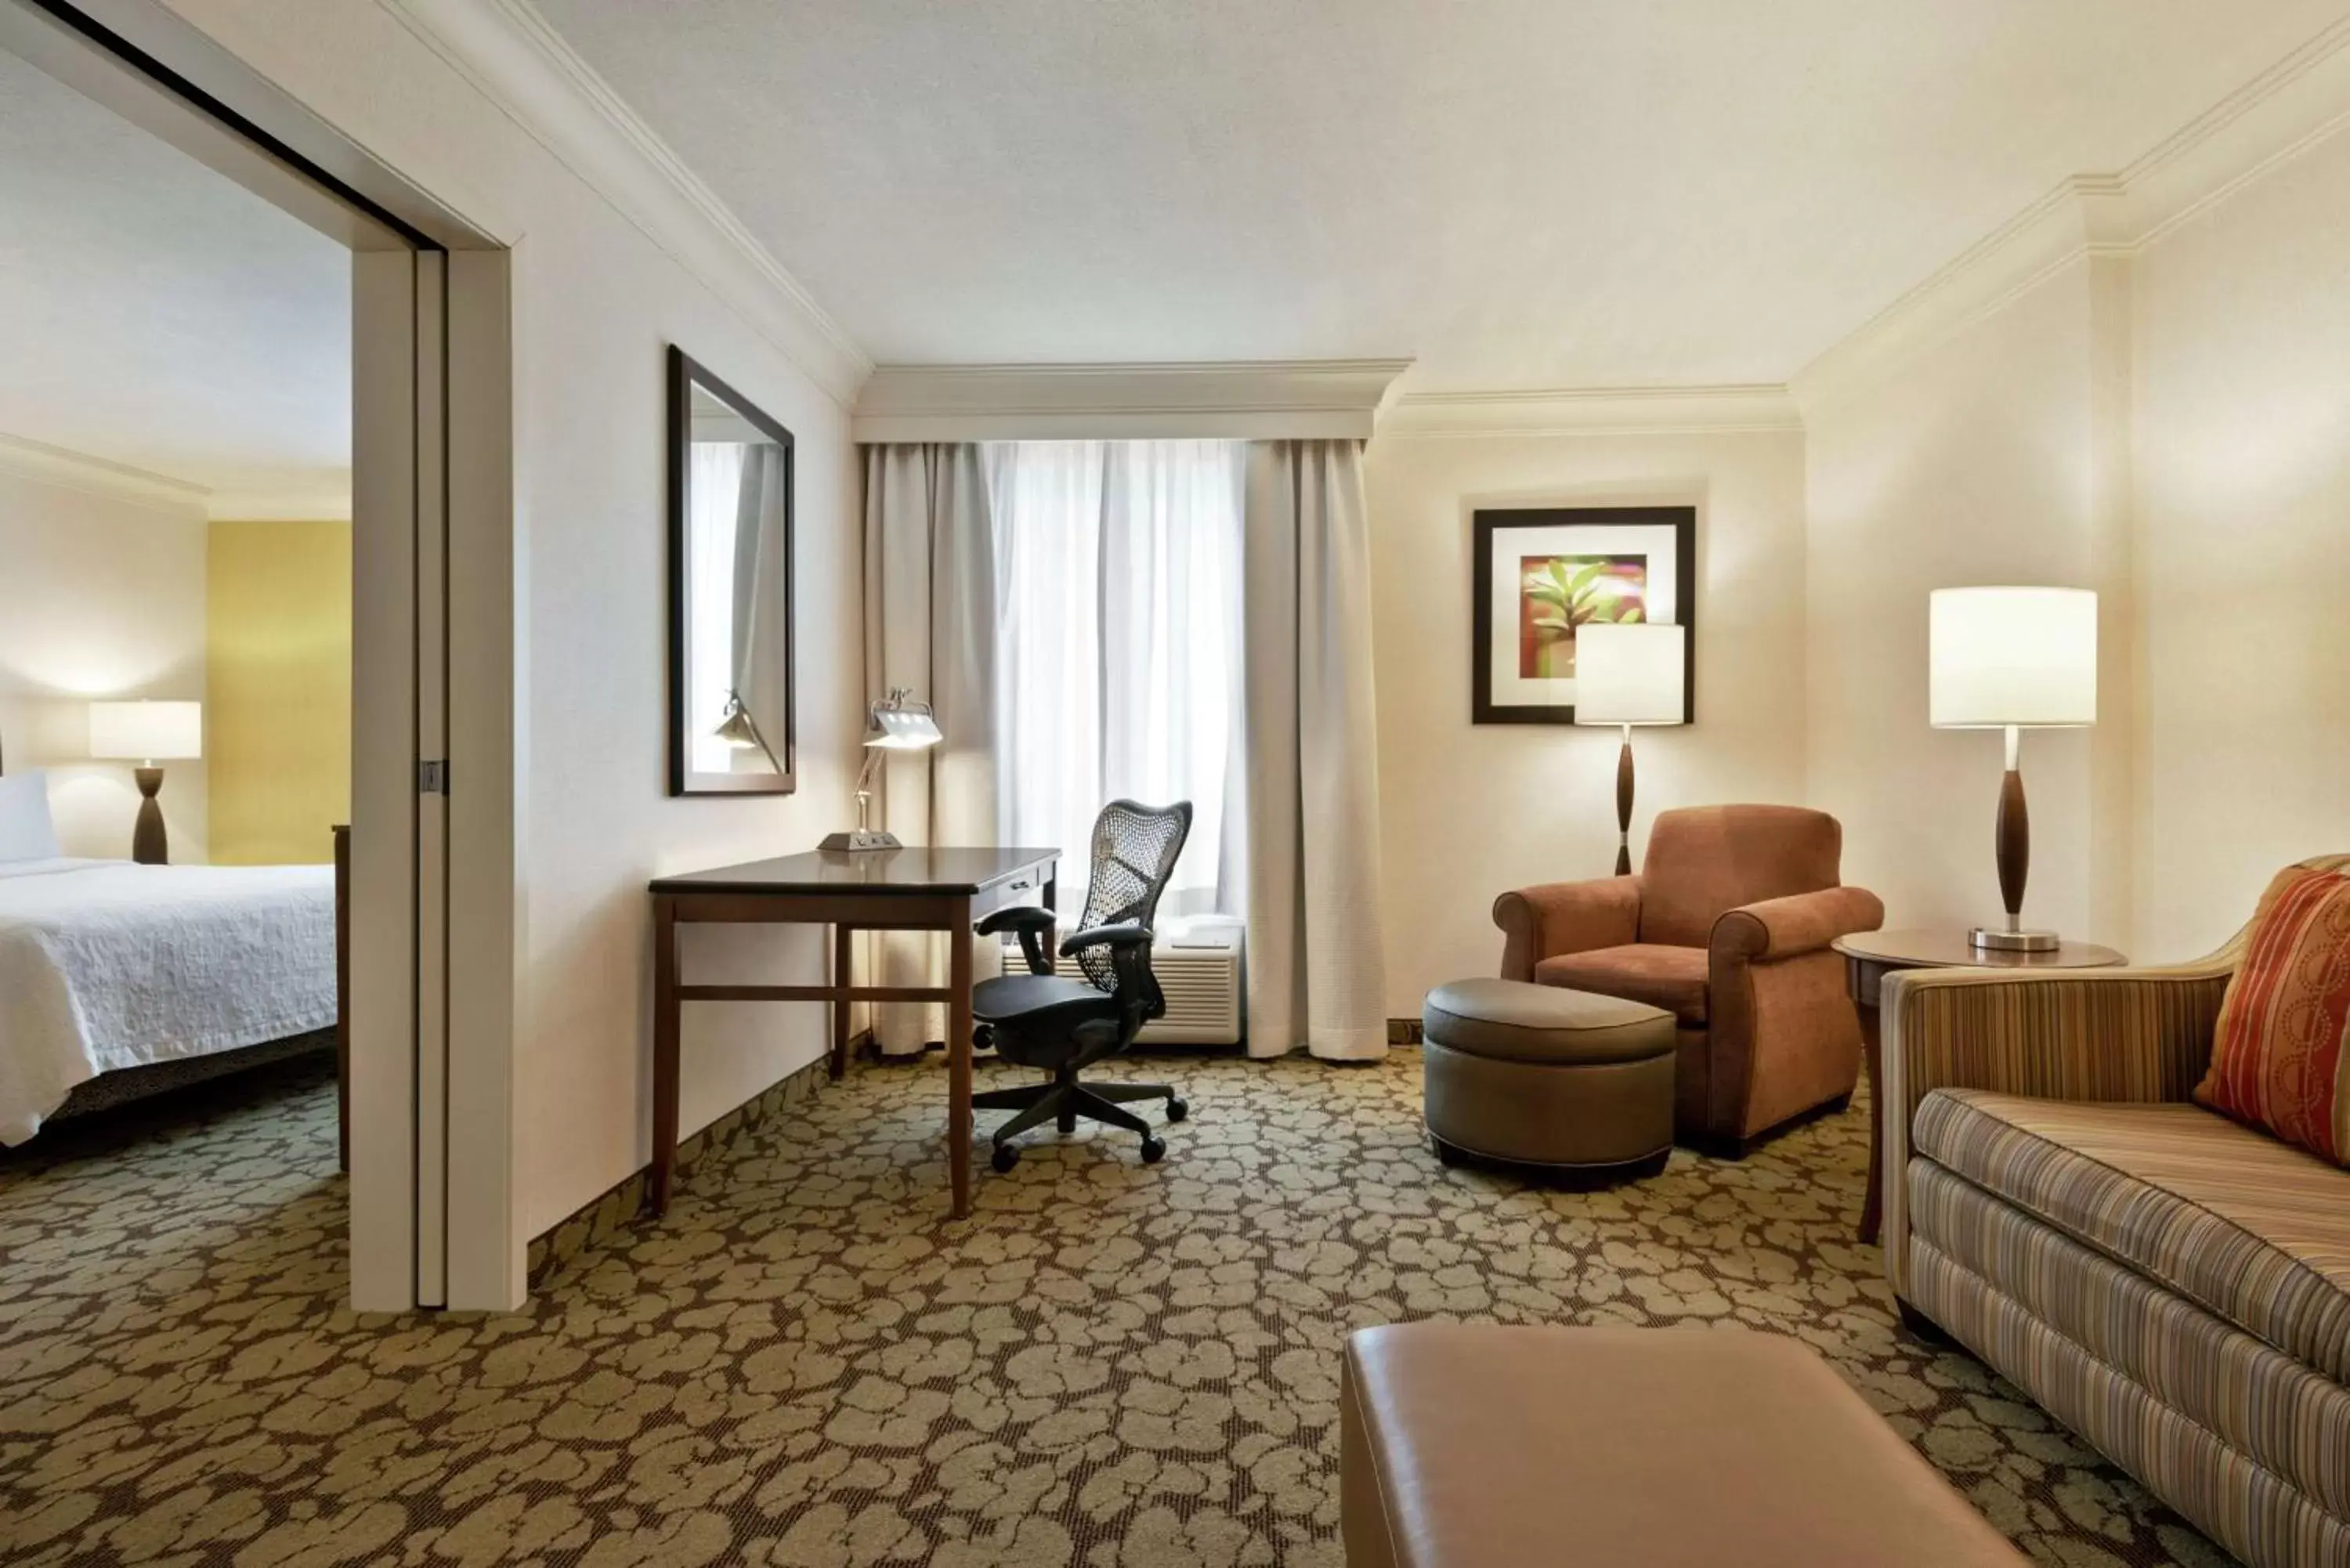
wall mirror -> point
(730, 585)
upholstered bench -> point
(1501, 1447)
(1538, 1075)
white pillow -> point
(26, 831)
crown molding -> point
(1259, 400)
(280, 506)
(70, 470)
(2289, 108)
(1593, 411)
(508, 51)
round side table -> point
(1870, 956)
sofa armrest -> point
(2142, 1034)
(1565, 917)
(1799, 923)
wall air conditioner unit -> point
(1200, 964)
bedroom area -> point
(175, 655)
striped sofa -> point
(2173, 1286)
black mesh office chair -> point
(1065, 1025)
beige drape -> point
(930, 620)
(1316, 972)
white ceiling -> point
(157, 315)
(1519, 192)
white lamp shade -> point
(1635, 674)
(2026, 657)
(146, 731)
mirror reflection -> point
(731, 557)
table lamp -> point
(2013, 659)
(147, 734)
(1627, 674)
(895, 724)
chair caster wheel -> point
(1445, 1155)
(1177, 1110)
(1154, 1149)
(983, 1037)
(1005, 1156)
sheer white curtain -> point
(1119, 647)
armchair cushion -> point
(1668, 977)
(1799, 923)
(2281, 1055)
(1704, 860)
(2253, 1231)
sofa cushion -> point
(2253, 1231)
(1667, 977)
(2280, 1058)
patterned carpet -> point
(1112, 1365)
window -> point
(1119, 583)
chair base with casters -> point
(1060, 1024)
(1063, 1101)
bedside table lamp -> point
(1627, 675)
(895, 724)
(147, 734)
(2012, 659)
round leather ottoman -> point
(1538, 1075)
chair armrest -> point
(1129, 954)
(1034, 925)
(1799, 923)
(1017, 918)
(2142, 1034)
(1116, 937)
(1565, 917)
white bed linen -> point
(106, 964)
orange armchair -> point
(1727, 927)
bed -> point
(115, 977)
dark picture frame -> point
(778, 733)
(1619, 534)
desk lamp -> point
(894, 724)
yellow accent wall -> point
(277, 725)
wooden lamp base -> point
(1624, 806)
(2013, 840)
(149, 846)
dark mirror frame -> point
(684, 375)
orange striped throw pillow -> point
(2281, 1060)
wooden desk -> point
(916, 888)
(1870, 957)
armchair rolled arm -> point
(1799, 923)
(1556, 918)
(2141, 1034)
(1034, 926)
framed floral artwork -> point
(1542, 573)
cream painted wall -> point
(277, 728)
(2172, 428)
(2244, 548)
(1468, 810)
(99, 597)
(596, 304)
(1971, 464)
